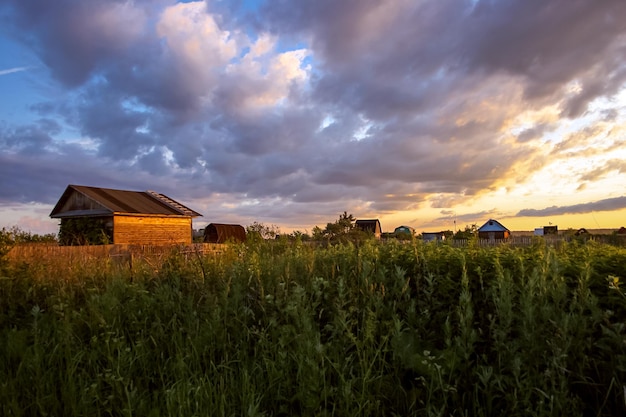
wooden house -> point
(222, 233)
(493, 230)
(369, 226)
(93, 215)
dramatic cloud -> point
(608, 204)
(75, 38)
(618, 165)
(297, 109)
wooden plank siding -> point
(152, 230)
(80, 202)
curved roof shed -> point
(222, 233)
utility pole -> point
(454, 221)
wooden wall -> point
(494, 235)
(151, 230)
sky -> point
(435, 114)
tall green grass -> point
(289, 329)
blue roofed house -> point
(493, 230)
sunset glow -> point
(434, 115)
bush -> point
(85, 231)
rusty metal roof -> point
(221, 233)
(122, 201)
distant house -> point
(433, 236)
(550, 230)
(546, 230)
(93, 215)
(404, 231)
(621, 231)
(370, 226)
(222, 233)
(581, 232)
(493, 230)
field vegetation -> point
(282, 328)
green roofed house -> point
(93, 215)
(493, 230)
(404, 231)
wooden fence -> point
(512, 241)
(78, 253)
(530, 240)
(123, 252)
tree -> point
(7, 241)
(468, 233)
(342, 230)
(343, 226)
(299, 235)
(15, 236)
(258, 231)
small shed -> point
(94, 215)
(621, 231)
(550, 230)
(369, 226)
(222, 233)
(433, 236)
(546, 230)
(493, 230)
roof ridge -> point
(170, 202)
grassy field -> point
(283, 328)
